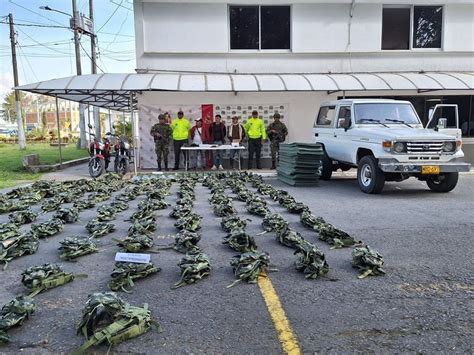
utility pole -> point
(19, 119)
(94, 67)
(82, 119)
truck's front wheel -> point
(443, 182)
(326, 166)
(371, 179)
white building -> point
(306, 37)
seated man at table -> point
(218, 134)
(196, 140)
(235, 134)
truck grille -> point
(419, 147)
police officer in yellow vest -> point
(180, 127)
(257, 134)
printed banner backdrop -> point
(148, 116)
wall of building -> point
(195, 36)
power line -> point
(28, 62)
(41, 44)
(119, 30)
(112, 15)
(30, 25)
(87, 54)
(34, 12)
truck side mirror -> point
(442, 123)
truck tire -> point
(443, 182)
(326, 167)
(371, 179)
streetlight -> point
(47, 8)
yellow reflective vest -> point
(180, 127)
(255, 128)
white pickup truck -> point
(386, 141)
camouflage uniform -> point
(161, 143)
(276, 138)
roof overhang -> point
(116, 91)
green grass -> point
(11, 160)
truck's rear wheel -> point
(371, 179)
(326, 166)
(442, 182)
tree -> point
(9, 106)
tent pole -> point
(135, 140)
(59, 134)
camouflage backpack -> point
(248, 266)
(106, 213)
(67, 215)
(194, 267)
(191, 222)
(145, 226)
(308, 220)
(233, 222)
(257, 208)
(26, 243)
(124, 273)
(51, 204)
(40, 278)
(296, 207)
(135, 243)
(14, 313)
(289, 237)
(224, 210)
(8, 230)
(119, 206)
(274, 222)
(98, 229)
(74, 247)
(186, 241)
(49, 228)
(84, 204)
(333, 236)
(310, 260)
(368, 261)
(240, 241)
(22, 217)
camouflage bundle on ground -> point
(296, 207)
(67, 215)
(14, 313)
(125, 196)
(84, 204)
(107, 318)
(368, 261)
(257, 199)
(19, 191)
(191, 222)
(134, 243)
(9, 230)
(26, 243)
(70, 195)
(186, 242)
(274, 222)
(74, 247)
(51, 204)
(257, 208)
(331, 235)
(8, 206)
(233, 222)
(150, 204)
(194, 267)
(248, 266)
(98, 229)
(124, 274)
(119, 206)
(32, 198)
(286, 200)
(47, 229)
(240, 241)
(100, 196)
(220, 197)
(244, 195)
(310, 260)
(180, 211)
(106, 213)
(40, 278)
(256, 180)
(223, 210)
(22, 217)
(144, 226)
(289, 237)
(308, 220)
(265, 189)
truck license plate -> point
(430, 169)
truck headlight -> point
(399, 147)
(449, 146)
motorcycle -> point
(123, 155)
(99, 152)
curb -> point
(55, 167)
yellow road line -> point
(288, 339)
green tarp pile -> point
(299, 164)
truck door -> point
(324, 126)
(343, 136)
(444, 118)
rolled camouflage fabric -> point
(136, 242)
(289, 237)
(74, 247)
(139, 215)
(119, 206)
(7, 206)
(240, 241)
(274, 222)
(224, 210)
(286, 200)
(51, 204)
(368, 261)
(99, 196)
(22, 217)
(40, 278)
(47, 229)
(70, 196)
(84, 204)
(248, 266)
(180, 211)
(310, 260)
(124, 274)
(331, 235)
(15, 247)
(152, 205)
(257, 208)
(144, 226)
(244, 195)
(98, 229)
(14, 313)
(191, 222)
(231, 222)
(67, 215)
(296, 207)
(308, 220)
(32, 198)
(265, 189)
(19, 191)
(194, 267)
(186, 241)
(106, 213)
(257, 200)
(8, 230)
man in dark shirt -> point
(218, 134)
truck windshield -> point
(388, 113)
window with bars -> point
(260, 27)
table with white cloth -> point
(211, 147)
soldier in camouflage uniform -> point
(161, 133)
(277, 133)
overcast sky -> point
(47, 53)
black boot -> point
(159, 166)
(166, 165)
(273, 165)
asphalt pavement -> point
(424, 304)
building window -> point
(259, 27)
(423, 24)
